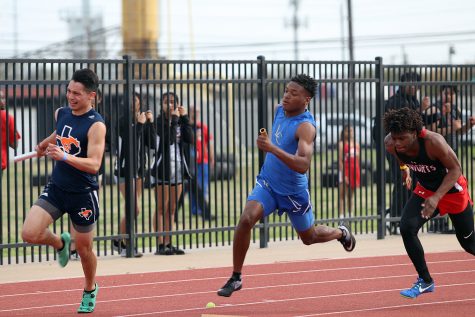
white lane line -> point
(302, 299)
(267, 301)
(247, 276)
(390, 307)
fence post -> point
(129, 158)
(380, 157)
(262, 123)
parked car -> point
(225, 167)
(331, 125)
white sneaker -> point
(123, 253)
(347, 240)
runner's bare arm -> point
(405, 173)
(51, 139)
(300, 161)
(438, 149)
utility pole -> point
(15, 27)
(350, 31)
(351, 66)
(190, 28)
(404, 55)
(86, 18)
(342, 26)
(451, 53)
(295, 25)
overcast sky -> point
(419, 31)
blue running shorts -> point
(298, 206)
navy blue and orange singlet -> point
(71, 137)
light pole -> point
(295, 25)
(451, 53)
(350, 31)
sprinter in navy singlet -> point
(441, 188)
(72, 137)
(282, 184)
(77, 147)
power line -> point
(391, 37)
(411, 39)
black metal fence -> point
(236, 98)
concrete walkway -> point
(222, 257)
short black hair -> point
(452, 87)
(88, 78)
(410, 76)
(167, 94)
(403, 120)
(306, 82)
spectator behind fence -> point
(450, 124)
(430, 114)
(7, 125)
(202, 160)
(144, 138)
(170, 168)
(349, 169)
(405, 97)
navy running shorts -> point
(83, 208)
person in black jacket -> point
(405, 96)
(171, 167)
(145, 138)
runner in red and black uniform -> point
(441, 188)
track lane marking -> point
(226, 277)
(266, 301)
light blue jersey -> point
(282, 179)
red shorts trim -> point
(453, 203)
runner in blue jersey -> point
(77, 147)
(282, 184)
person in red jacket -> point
(10, 135)
(349, 169)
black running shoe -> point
(175, 250)
(74, 255)
(231, 286)
(163, 250)
(118, 245)
(347, 240)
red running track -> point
(344, 287)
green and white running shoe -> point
(88, 302)
(63, 254)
